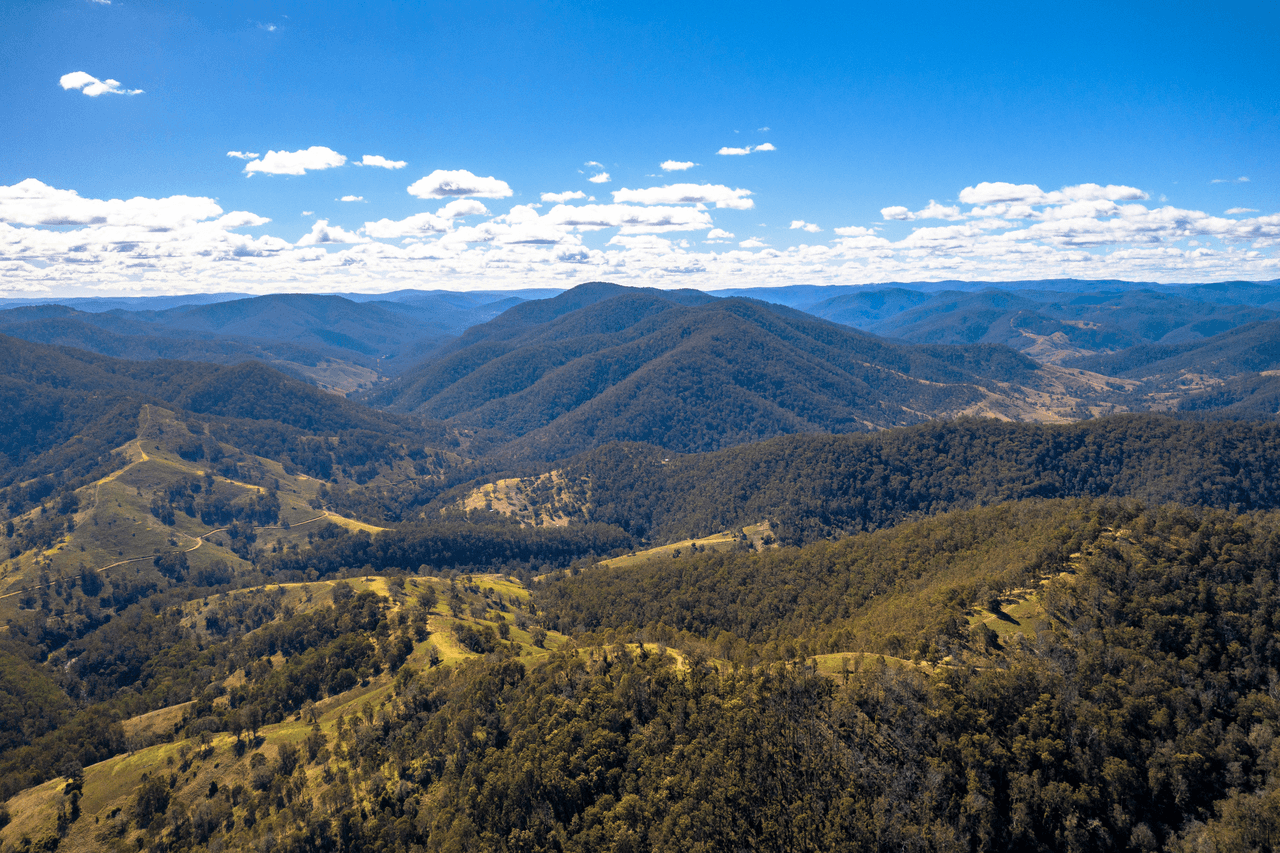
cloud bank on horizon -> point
(996, 230)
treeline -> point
(821, 486)
(445, 546)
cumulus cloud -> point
(418, 225)
(997, 192)
(738, 152)
(308, 213)
(594, 164)
(311, 159)
(932, 211)
(854, 230)
(717, 235)
(352, 198)
(458, 183)
(461, 207)
(243, 155)
(561, 198)
(717, 194)
(381, 162)
(92, 86)
(632, 220)
(602, 178)
(804, 226)
(31, 202)
(678, 165)
(1237, 210)
(323, 232)
(752, 243)
(240, 219)
(1240, 180)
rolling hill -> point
(335, 342)
(602, 363)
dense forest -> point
(820, 486)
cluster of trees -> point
(446, 546)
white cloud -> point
(805, 226)
(561, 198)
(932, 211)
(602, 178)
(763, 129)
(241, 219)
(738, 152)
(101, 2)
(352, 198)
(311, 159)
(678, 165)
(243, 155)
(461, 207)
(308, 213)
(34, 203)
(323, 232)
(853, 231)
(381, 162)
(458, 183)
(718, 235)
(594, 164)
(92, 86)
(717, 194)
(1240, 180)
(632, 220)
(1236, 210)
(418, 225)
(752, 243)
(992, 193)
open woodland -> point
(628, 570)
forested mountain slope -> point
(644, 365)
(816, 486)
(63, 410)
(336, 342)
(1252, 348)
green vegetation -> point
(815, 487)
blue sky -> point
(943, 140)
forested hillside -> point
(818, 486)
(692, 374)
